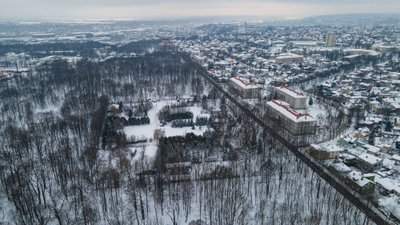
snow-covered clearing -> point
(48, 108)
(148, 150)
(147, 131)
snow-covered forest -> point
(54, 168)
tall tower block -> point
(330, 39)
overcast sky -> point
(152, 9)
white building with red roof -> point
(296, 99)
(244, 87)
(291, 120)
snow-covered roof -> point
(371, 159)
(360, 51)
(327, 147)
(305, 43)
(396, 158)
(244, 83)
(341, 167)
(283, 108)
(289, 56)
(389, 184)
(351, 56)
(358, 178)
(371, 148)
(291, 92)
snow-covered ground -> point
(147, 151)
(48, 108)
(144, 151)
(391, 204)
(147, 131)
(316, 110)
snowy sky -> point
(152, 9)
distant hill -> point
(352, 19)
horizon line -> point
(179, 18)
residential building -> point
(368, 163)
(296, 99)
(331, 40)
(244, 88)
(294, 122)
(325, 152)
(289, 58)
(339, 169)
(359, 183)
(388, 185)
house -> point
(388, 185)
(360, 184)
(113, 109)
(396, 158)
(385, 148)
(340, 169)
(325, 152)
(368, 163)
(348, 159)
(371, 149)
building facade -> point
(330, 39)
(296, 99)
(359, 183)
(289, 58)
(292, 121)
(323, 153)
(368, 163)
(244, 88)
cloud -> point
(47, 9)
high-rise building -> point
(331, 39)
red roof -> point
(297, 115)
(296, 92)
(166, 42)
(245, 82)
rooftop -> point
(285, 110)
(327, 147)
(305, 43)
(289, 56)
(358, 178)
(244, 83)
(389, 184)
(371, 159)
(291, 92)
(341, 167)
